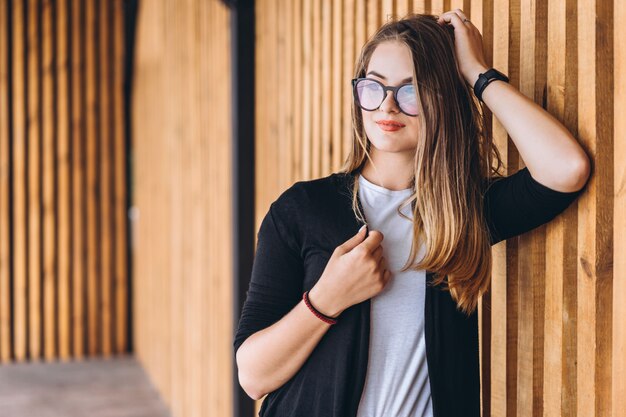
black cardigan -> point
(295, 241)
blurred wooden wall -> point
(63, 250)
(182, 191)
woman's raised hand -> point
(468, 44)
(355, 272)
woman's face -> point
(391, 64)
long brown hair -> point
(453, 161)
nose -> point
(389, 104)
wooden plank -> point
(5, 184)
(326, 88)
(316, 85)
(78, 179)
(402, 8)
(63, 168)
(438, 7)
(288, 93)
(92, 140)
(618, 399)
(49, 184)
(20, 229)
(523, 55)
(503, 303)
(350, 17)
(595, 212)
(604, 248)
(374, 18)
(307, 82)
(120, 200)
(586, 336)
(281, 167)
(210, 399)
(298, 87)
(338, 85)
(34, 181)
(386, 9)
(477, 12)
(172, 142)
(556, 275)
(104, 202)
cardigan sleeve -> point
(277, 275)
(518, 203)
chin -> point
(390, 144)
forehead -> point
(392, 59)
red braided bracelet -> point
(322, 317)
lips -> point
(390, 123)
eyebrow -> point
(406, 80)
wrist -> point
(321, 303)
(473, 74)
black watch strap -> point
(485, 78)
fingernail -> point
(362, 227)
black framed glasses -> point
(370, 94)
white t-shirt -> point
(397, 383)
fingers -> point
(456, 17)
(378, 253)
(373, 240)
(354, 241)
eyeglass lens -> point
(371, 95)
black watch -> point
(485, 78)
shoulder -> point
(307, 194)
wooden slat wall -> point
(62, 180)
(182, 292)
(553, 326)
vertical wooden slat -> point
(586, 352)
(78, 178)
(289, 91)
(49, 182)
(307, 81)
(387, 11)
(373, 18)
(175, 188)
(316, 89)
(501, 300)
(298, 87)
(326, 86)
(338, 86)
(350, 17)
(120, 200)
(477, 14)
(34, 180)
(5, 196)
(402, 8)
(559, 393)
(208, 325)
(92, 140)
(595, 216)
(525, 55)
(79, 270)
(63, 135)
(20, 227)
(618, 400)
(105, 237)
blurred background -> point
(141, 143)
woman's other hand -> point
(468, 44)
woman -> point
(381, 320)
